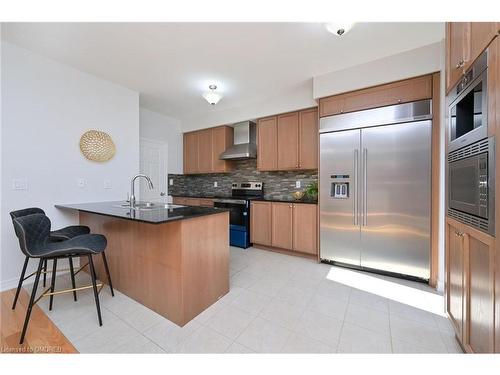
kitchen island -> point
(172, 259)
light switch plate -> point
(215, 183)
(107, 184)
(171, 181)
(19, 184)
(297, 184)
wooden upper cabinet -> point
(465, 41)
(409, 90)
(267, 134)
(260, 223)
(222, 139)
(481, 273)
(305, 228)
(282, 225)
(308, 139)
(481, 34)
(457, 49)
(456, 278)
(191, 153)
(332, 105)
(205, 151)
(288, 141)
(202, 149)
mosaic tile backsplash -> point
(277, 185)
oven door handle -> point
(231, 201)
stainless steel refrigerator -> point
(375, 189)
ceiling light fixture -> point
(339, 28)
(211, 96)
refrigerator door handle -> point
(355, 190)
(365, 189)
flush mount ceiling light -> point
(211, 96)
(338, 28)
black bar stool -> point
(55, 236)
(33, 232)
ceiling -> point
(172, 64)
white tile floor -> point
(277, 304)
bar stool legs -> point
(45, 273)
(94, 286)
(53, 282)
(32, 300)
(105, 262)
(72, 273)
(20, 284)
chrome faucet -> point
(132, 188)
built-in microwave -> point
(471, 185)
(468, 106)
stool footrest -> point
(46, 292)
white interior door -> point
(153, 163)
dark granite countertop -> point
(161, 213)
(265, 199)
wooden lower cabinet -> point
(282, 219)
(285, 226)
(455, 278)
(189, 201)
(471, 286)
(260, 223)
(480, 290)
(305, 237)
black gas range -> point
(239, 207)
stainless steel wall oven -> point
(471, 185)
(471, 155)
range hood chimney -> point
(245, 142)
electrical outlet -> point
(20, 184)
(107, 184)
(297, 184)
(81, 182)
(215, 183)
(171, 181)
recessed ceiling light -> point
(211, 96)
(338, 28)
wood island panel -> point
(176, 269)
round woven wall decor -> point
(97, 146)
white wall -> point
(167, 129)
(404, 65)
(46, 107)
(297, 97)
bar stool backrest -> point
(26, 211)
(32, 231)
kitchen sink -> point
(148, 206)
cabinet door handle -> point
(460, 64)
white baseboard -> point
(8, 284)
(12, 283)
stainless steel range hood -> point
(245, 142)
